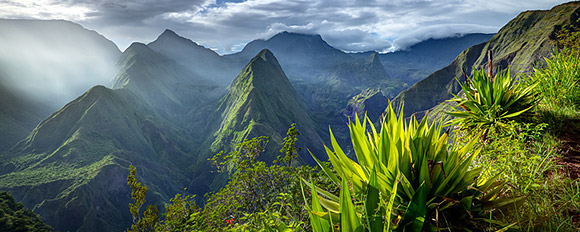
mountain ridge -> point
(84, 149)
(197, 58)
(520, 44)
(261, 98)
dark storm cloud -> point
(225, 25)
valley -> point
(72, 125)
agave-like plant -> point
(405, 177)
(488, 102)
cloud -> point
(408, 39)
(42, 9)
(350, 25)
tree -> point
(177, 217)
(14, 217)
(150, 217)
(289, 145)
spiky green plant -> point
(489, 102)
(405, 177)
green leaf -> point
(318, 224)
(349, 220)
(417, 210)
(374, 213)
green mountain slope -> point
(72, 168)
(363, 71)
(169, 86)
(370, 102)
(348, 79)
(520, 44)
(261, 101)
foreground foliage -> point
(527, 154)
(526, 158)
(14, 217)
(405, 177)
(257, 196)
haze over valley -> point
(79, 106)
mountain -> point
(53, 61)
(44, 65)
(420, 60)
(195, 57)
(520, 44)
(161, 81)
(261, 101)
(348, 79)
(72, 168)
(73, 165)
(370, 102)
(364, 71)
(18, 116)
(303, 57)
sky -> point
(226, 26)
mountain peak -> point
(295, 36)
(266, 55)
(169, 35)
(261, 101)
(263, 70)
(137, 47)
(169, 32)
(373, 58)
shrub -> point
(405, 177)
(489, 102)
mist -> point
(53, 62)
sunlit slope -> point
(261, 101)
(519, 44)
(74, 164)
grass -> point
(528, 154)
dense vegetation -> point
(500, 171)
(14, 217)
(256, 195)
(164, 121)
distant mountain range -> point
(168, 105)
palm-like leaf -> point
(407, 169)
(490, 102)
